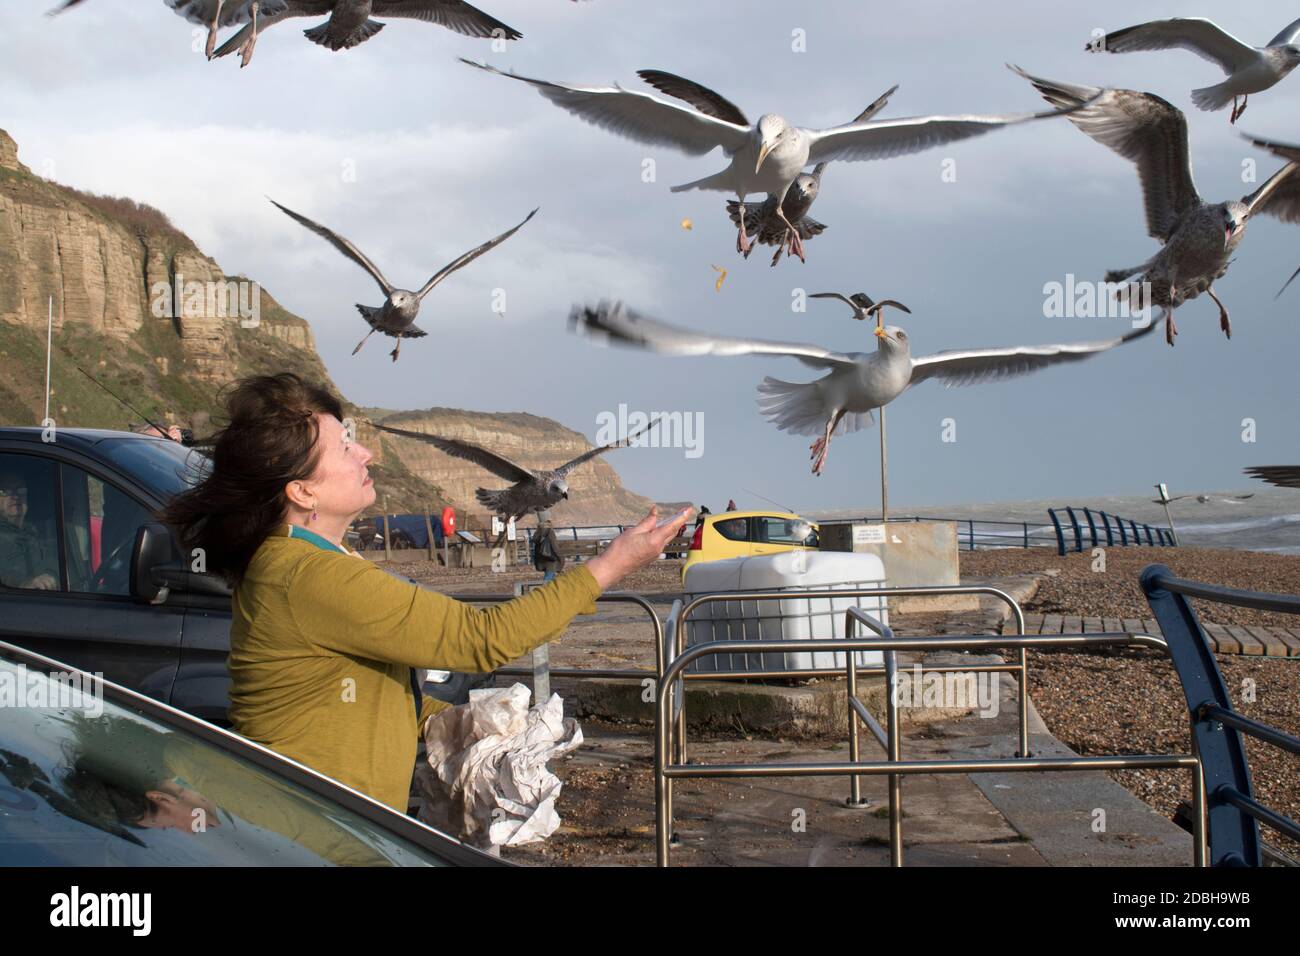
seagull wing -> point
(1284, 476)
(639, 116)
(1281, 150)
(1144, 129)
(470, 256)
(1291, 34)
(341, 244)
(593, 452)
(1279, 196)
(488, 460)
(884, 139)
(701, 97)
(857, 309)
(1200, 36)
(878, 105)
(616, 323)
(972, 366)
(455, 15)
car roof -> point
(725, 515)
(83, 436)
(447, 846)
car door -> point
(767, 535)
(65, 555)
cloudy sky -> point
(416, 157)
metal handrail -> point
(1233, 812)
(666, 771)
(611, 597)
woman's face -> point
(341, 483)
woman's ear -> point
(298, 495)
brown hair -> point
(269, 440)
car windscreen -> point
(163, 466)
(86, 781)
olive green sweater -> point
(322, 645)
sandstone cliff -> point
(138, 305)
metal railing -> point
(894, 767)
(1114, 530)
(1233, 812)
(972, 533)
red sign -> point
(448, 521)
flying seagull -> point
(1284, 476)
(532, 491)
(863, 306)
(1206, 499)
(767, 156)
(764, 223)
(1197, 238)
(349, 21)
(396, 317)
(1249, 69)
(841, 401)
(1291, 153)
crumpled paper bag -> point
(486, 779)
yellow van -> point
(740, 534)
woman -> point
(323, 643)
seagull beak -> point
(763, 150)
(880, 332)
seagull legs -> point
(792, 234)
(822, 446)
(1224, 322)
(246, 51)
(743, 245)
(1238, 111)
(363, 342)
(394, 352)
(212, 29)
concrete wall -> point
(915, 554)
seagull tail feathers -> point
(799, 408)
(1211, 98)
(321, 35)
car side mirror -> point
(153, 547)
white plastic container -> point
(788, 619)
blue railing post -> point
(1025, 527)
(1078, 532)
(1105, 523)
(1092, 525)
(1060, 534)
(972, 534)
(1233, 834)
(1137, 537)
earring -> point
(313, 513)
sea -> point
(1268, 520)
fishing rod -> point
(152, 424)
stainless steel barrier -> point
(666, 770)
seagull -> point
(350, 21)
(1291, 153)
(858, 382)
(767, 156)
(863, 306)
(1284, 476)
(396, 317)
(532, 491)
(768, 228)
(1249, 69)
(1206, 499)
(1197, 238)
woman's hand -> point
(635, 548)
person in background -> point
(731, 504)
(173, 432)
(546, 548)
(24, 560)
